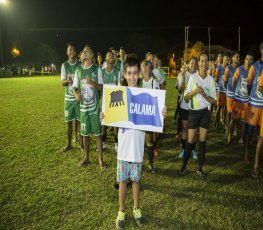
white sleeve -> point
(63, 73)
(212, 89)
(189, 85)
(119, 76)
(179, 78)
(75, 80)
(100, 79)
(121, 69)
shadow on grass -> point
(167, 223)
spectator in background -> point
(99, 59)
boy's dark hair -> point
(99, 54)
(131, 61)
(225, 54)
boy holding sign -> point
(130, 153)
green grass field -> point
(43, 188)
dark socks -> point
(201, 157)
(187, 153)
(183, 142)
(150, 152)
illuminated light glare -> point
(15, 52)
(3, 2)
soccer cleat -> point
(181, 154)
(194, 154)
(138, 216)
(120, 220)
(152, 169)
(201, 174)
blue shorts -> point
(126, 170)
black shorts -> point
(184, 113)
(199, 118)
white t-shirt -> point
(198, 102)
(183, 104)
(150, 84)
(130, 145)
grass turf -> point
(43, 188)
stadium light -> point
(3, 2)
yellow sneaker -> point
(120, 220)
(138, 216)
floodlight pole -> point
(209, 52)
(186, 33)
(239, 39)
(1, 48)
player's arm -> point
(260, 83)
(226, 76)
(235, 79)
(75, 87)
(250, 77)
(64, 80)
(216, 75)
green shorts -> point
(90, 124)
(72, 111)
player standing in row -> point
(71, 106)
(200, 94)
(86, 85)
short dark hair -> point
(131, 61)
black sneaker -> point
(182, 172)
(116, 186)
(201, 174)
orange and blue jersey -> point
(219, 74)
(228, 76)
(256, 97)
(241, 94)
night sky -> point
(26, 23)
